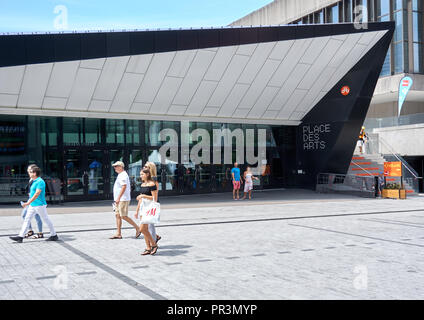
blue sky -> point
(39, 15)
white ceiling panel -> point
(233, 100)
(281, 49)
(263, 102)
(110, 78)
(344, 50)
(55, 103)
(181, 63)
(241, 113)
(62, 79)
(317, 68)
(220, 63)
(194, 76)
(228, 81)
(126, 92)
(154, 77)
(11, 79)
(354, 56)
(177, 110)
(292, 103)
(139, 107)
(256, 61)
(201, 97)
(247, 49)
(367, 38)
(139, 63)
(289, 63)
(83, 89)
(8, 100)
(99, 106)
(210, 112)
(93, 63)
(297, 116)
(270, 115)
(318, 44)
(306, 104)
(290, 85)
(34, 85)
(165, 95)
(259, 84)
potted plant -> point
(394, 191)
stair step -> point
(357, 158)
(368, 169)
(360, 163)
(366, 174)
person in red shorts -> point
(236, 178)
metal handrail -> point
(397, 157)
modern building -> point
(74, 103)
(403, 133)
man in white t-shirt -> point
(122, 198)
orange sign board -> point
(393, 169)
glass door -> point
(84, 174)
(74, 170)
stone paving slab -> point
(313, 249)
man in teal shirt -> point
(36, 204)
(236, 178)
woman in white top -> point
(248, 182)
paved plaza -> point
(284, 244)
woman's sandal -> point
(30, 233)
(146, 252)
(154, 250)
(37, 236)
(158, 238)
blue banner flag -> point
(404, 86)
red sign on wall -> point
(345, 90)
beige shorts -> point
(122, 208)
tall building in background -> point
(405, 58)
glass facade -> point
(76, 155)
(398, 59)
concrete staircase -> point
(365, 165)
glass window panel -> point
(347, 10)
(332, 14)
(417, 26)
(383, 8)
(49, 131)
(135, 164)
(115, 131)
(133, 131)
(397, 4)
(399, 26)
(72, 131)
(417, 5)
(95, 172)
(385, 71)
(93, 131)
(418, 58)
(152, 129)
(398, 58)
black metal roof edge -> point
(44, 48)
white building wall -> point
(282, 12)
